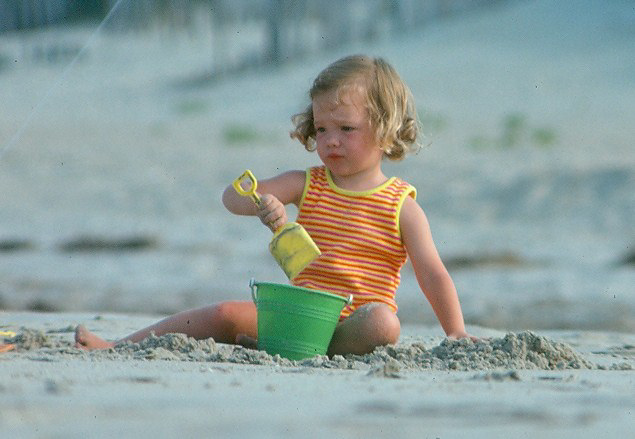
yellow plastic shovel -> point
(291, 246)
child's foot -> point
(84, 339)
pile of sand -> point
(524, 350)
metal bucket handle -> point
(254, 288)
(254, 292)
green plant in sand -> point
(191, 107)
(544, 136)
(237, 134)
(516, 131)
(432, 122)
(514, 126)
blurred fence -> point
(31, 14)
(246, 33)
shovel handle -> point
(251, 192)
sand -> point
(110, 216)
(524, 350)
(556, 384)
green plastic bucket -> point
(295, 322)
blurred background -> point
(122, 121)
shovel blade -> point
(293, 249)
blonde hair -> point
(389, 103)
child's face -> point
(345, 139)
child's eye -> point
(347, 128)
(319, 129)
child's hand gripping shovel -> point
(291, 246)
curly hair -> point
(389, 103)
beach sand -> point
(170, 386)
(110, 216)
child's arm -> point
(275, 193)
(433, 278)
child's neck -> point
(359, 182)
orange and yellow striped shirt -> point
(359, 237)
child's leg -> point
(369, 326)
(223, 321)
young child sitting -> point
(365, 224)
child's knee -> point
(381, 323)
(221, 312)
(228, 319)
(223, 318)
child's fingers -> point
(268, 211)
(274, 220)
(271, 212)
(275, 225)
(272, 217)
(266, 201)
(269, 204)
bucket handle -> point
(254, 292)
(254, 287)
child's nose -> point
(332, 140)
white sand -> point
(125, 148)
(54, 390)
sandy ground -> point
(110, 205)
(57, 392)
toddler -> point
(365, 224)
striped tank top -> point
(359, 237)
